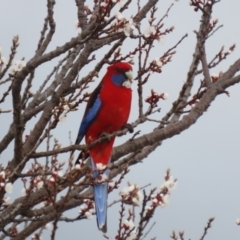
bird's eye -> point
(119, 70)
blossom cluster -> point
(80, 163)
(129, 226)
(4, 182)
(87, 209)
(162, 198)
(122, 24)
(214, 77)
(131, 194)
(155, 97)
(3, 60)
(198, 4)
(101, 175)
(17, 66)
(54, 176)
(60, 112)
(35, 177)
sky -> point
(205, 158)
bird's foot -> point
(129, 127)
(105, 136)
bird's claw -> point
(105, 135)
(129, 127)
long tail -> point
(100, 196)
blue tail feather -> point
(100, 196)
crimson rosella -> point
(107, 111)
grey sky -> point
(205, 158)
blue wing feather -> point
(89, 117)
(92, 109)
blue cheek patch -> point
(118, 79)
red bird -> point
(107, 111)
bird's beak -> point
(129, 75)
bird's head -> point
(121, 74)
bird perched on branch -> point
(107, 111)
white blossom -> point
(52, 179)
(88, 214)
(66, 107)
(16, 39)
(103, 4)
(2, 174)
(93, 210)
(129, 27)
(106, 18)
(131, 188)
(39, 184)
(150, 19)
(102, 178)
(129, 224)
(77, 25)
(158, 62)
(8, 187)
(111, 184)
(238, 221)
(153, 195)
(149, 31)
(78, 166)
(165, 96)
(124, 191)
(165, 199)
(3, 60)
(119, 16)
(18, 66)
(148, 208)
(48, 226)
(23, 192)
(132, 193)
(170, 184)
(215, 75)
(100, 166)
(31, 93)
(161, 40)
(60, 173)
(138, 199)
(7, 200)
(82, 208)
